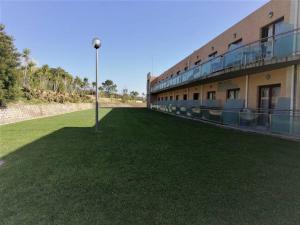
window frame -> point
(196, 94)
(234, 90)
(270, 86)
(213, 55)
(213, 94)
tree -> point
(44, 76)
(26, 58)
(85, 83)
(30, 81)
(109, 88)
(9, 62)
(125, 96)
(77, 84)
(134, 94)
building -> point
(247, 77)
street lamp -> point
(96, 45)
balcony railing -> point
(284, 122)
(276, 47)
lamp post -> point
(97, 45)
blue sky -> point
(132, 33)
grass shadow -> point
(145, 167)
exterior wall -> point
(248, 29)
(221, 88)
(267, 78)
(280, 76)
(150, 78)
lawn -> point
(144, 167)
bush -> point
(2, 102)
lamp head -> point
(96, 43)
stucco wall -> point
(267, 78)
(280, 76)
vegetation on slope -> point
(21, 79)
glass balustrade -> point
(279, 46)
(279, 122)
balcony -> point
(278, 121)
(279, 50)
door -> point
(268, 96)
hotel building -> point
(247, 77)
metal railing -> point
(276, 47)
(273, 121)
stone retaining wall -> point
(19, 112)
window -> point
(268, 96)
(177, 97)
(197, 62)
(158, 99)
(211, 95)
(272, 29)
(171, 98)
(178, 72)
(185, 97)
(166, 98)
(235, 44)
(233, 93)
(213, 55)
(185, 68)
(195, 96)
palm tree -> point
(30, 69)
(94, 86)
(85, 83)
(77, 83)
(44, 75)
(26, 57)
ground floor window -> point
(166, 98)
(171, 98)
(268, 96)
(211, 95)
(185, 97)
(196, 96)
(233, 93)
(177, 97)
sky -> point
(137, 36)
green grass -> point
(144, 167)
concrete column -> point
(187, 93)
(290, 85)
(295, 20)
(294, 13)
(201, 94)
(148, 91)
(246, 91)
(297, 89)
